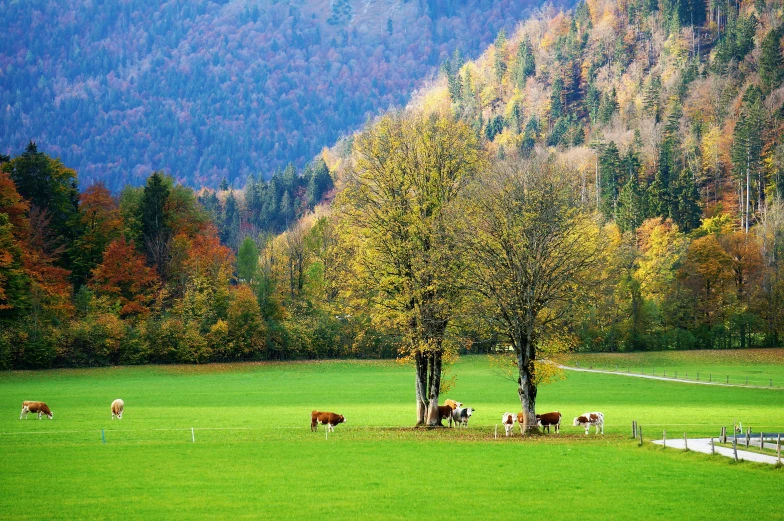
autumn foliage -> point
(124, 278)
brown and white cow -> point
(588, 419)
(117, 408)
(508, 420)
(549, 418)
(36, 407)
(330, 419)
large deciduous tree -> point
(530, 249)
(407, 169)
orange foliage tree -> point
(100, 222)
(124, 276)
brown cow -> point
(444, 413)
(549, 418)
(36, 407)
(330, 419)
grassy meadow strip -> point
(757, 366)
(254, 455)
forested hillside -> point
(670, 116)
(206, 90)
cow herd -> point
(452, 411)
(456, 414)
(553, 419)
(42, 409)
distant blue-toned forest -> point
(206, 90)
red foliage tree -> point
(123, 275)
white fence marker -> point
(193, 436)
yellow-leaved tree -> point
(407, 170)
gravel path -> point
(667, 378)
(703, 445)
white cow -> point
(588, 419)
(117, 408)
(508, 420)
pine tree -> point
(609, 176)
(48, 186)
(631, 205)
(248, 261)
(499, 66)
(230, 229)
(771, 64)
(556, 99)
(746, 152)
(687, 212)
(525, 65)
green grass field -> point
(758, 367)
(255, 456)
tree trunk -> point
(526, 383)
(420, 360)
(435, 388)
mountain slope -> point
(212, 89)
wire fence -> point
(689, 375)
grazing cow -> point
(548, 419)
(453, 404)
(461, 416)
(588, 419)
(36, 407)
(444, 413)
(330, 419)
(508, 420)
(117, 408)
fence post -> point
(698, 377)
(748, 435)
(713, 447)
(710, 377)
(778, 447)
(728, 378)
(685, 442)
(762, 436)
(723, 435)
(496, 431)
(640, 431)
(103, 437)
(193, 436)
(664, 439)
(634, 429)
(735, 447)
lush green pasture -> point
(255, 457)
